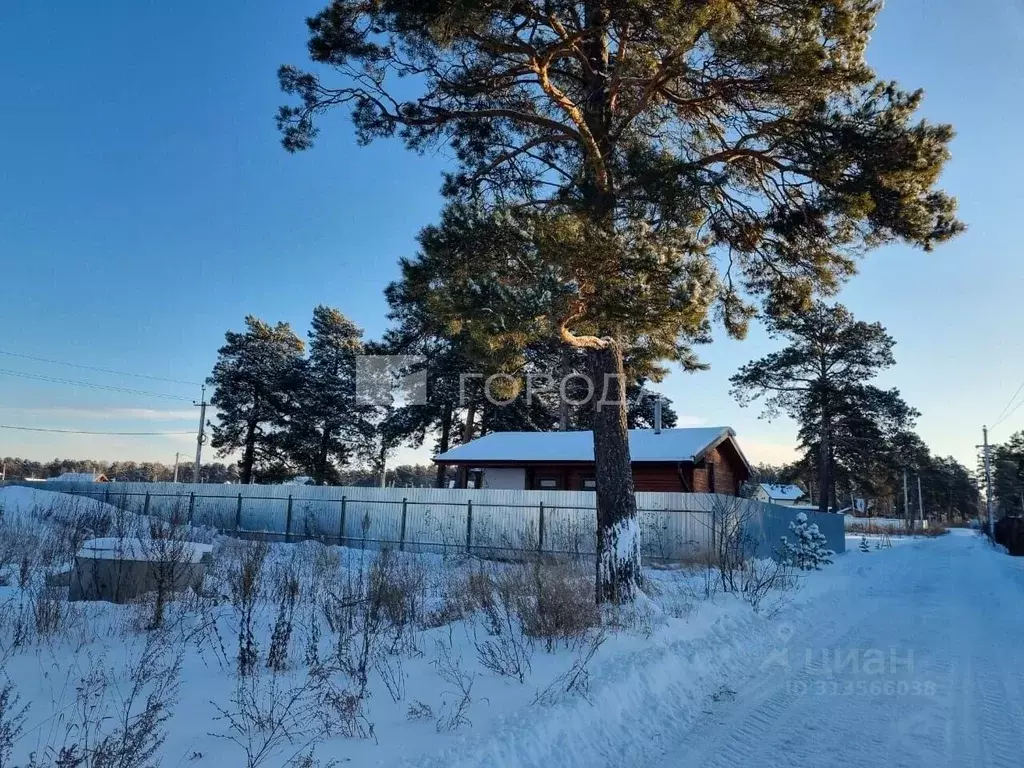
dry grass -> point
(934, 529)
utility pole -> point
(906, 499)
(988, 486)
(201, 437)
(176, 455)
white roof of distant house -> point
(644, 445)
(79, 477)
(783, 492)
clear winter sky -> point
(146, 207)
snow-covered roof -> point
(80, 477)
(644, 445)
(782, 492)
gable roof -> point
(82, 477)
(784, 492)
(644, 445)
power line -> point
(101, 370)
(1002, 414)
(86, 431)
(91, 385)
(1011, 412)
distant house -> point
(80, 477)
(699, 460)
(784, 495)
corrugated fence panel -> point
(673, 525)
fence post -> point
(106, 495)
(401, 542)
(145, 506)
(341, 523)
(469, 525)
(540, 530)
(288, 521)
(714, 530)
(238, 514)
(191, 505)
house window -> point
(711, 476)
(588, 484)
(548, 483)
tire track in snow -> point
(948, 607)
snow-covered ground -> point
(923, 640)
(914, 658)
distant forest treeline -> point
(402, 476)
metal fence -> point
(673, 526)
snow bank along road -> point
(918, 662)
(911, 656)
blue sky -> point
(146, 207)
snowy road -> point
(918, 661)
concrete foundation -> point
(120, 570)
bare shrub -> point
(137, 716)
(269, 715)
(767, 578)
(372, 619)
(545, 600)
(462, 595)
(637, 617)
(507, 654)
(311, 655)
(556, 602)
(244, 584)
(170, 555)
(12, 722)
(457, 700)
(392, 672)
(575, 680)
(731, 542)
(324, 563)
(676, 597)
(419, 711)
(738, 570)
(280, 641)
(508, 650)
(49, 610)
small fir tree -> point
(864, 547)
(806, 548)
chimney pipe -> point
(657, 415)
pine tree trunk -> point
(618, 531)
(249, 454)
(563, 402)
(469, 426)
(445, 442)
(824, 456)
(320, 470)
(467, 435)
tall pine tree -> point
(656, 135)
(820, 379)
(328, 420)
(255, 380)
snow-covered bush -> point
(806, 548)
